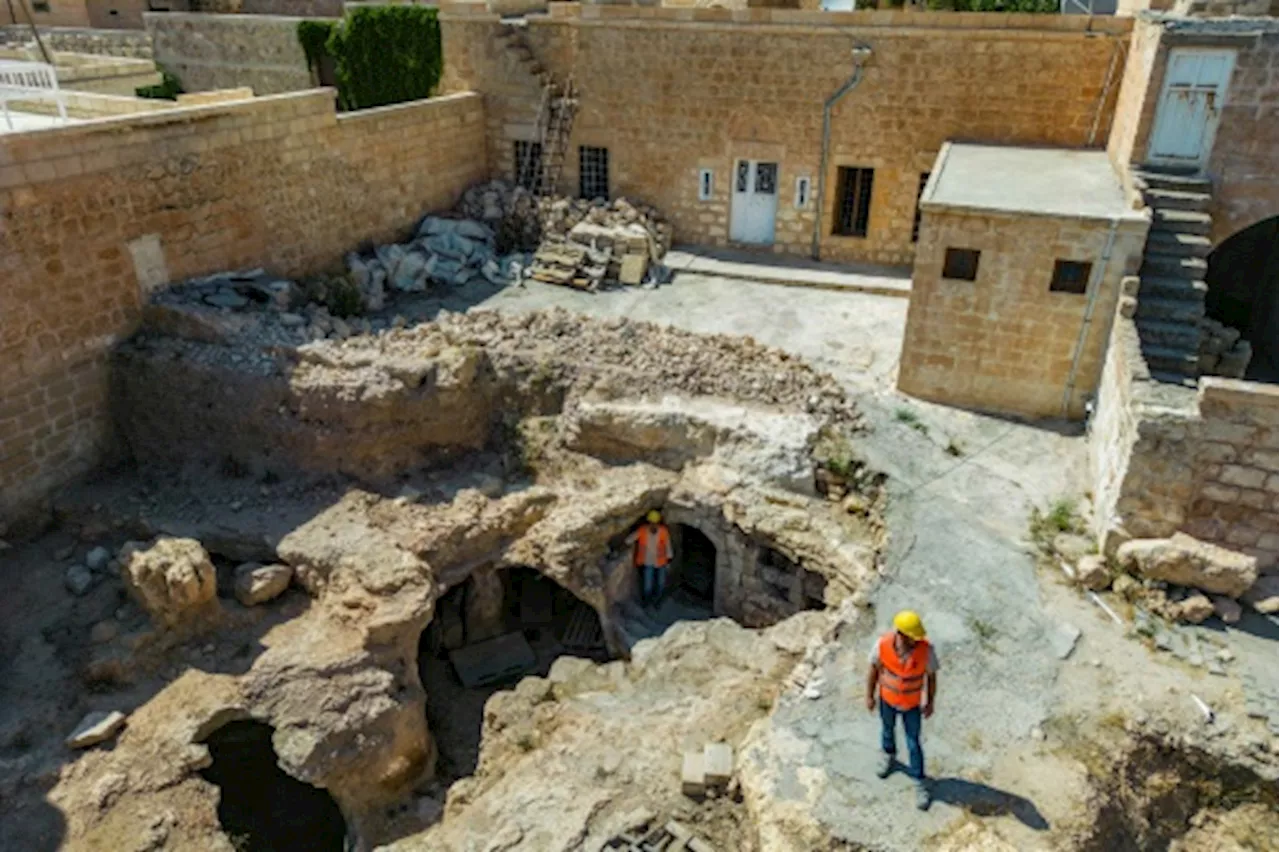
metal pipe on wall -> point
(1095, 287)
(861, 52)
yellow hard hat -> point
(909, 624)
(654, 516)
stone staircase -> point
(556, 111)
(1171, 295)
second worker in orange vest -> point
(905, 670)
(652, 543)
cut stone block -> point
(634, 267)
(692, 782)
(717, 764)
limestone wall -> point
(1165, 458)
(61, 13)
(1005, 342)
(1243, 164)
(99, 213)
(229, 51)
(673, 91)
(132, 43)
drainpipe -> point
(1095, 287)
(861, 53)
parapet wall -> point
(98, 214)
(1166, 458)
(229, 51)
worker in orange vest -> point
(905, 668)
(652, 549)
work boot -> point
(923, 799)
(885, 767)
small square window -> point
(961, 264)
(1070, 276)
(802, 192)
(706, 184)
(40, 5)
(593, 172)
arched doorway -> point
(695, 564)
(488, 632)
(261, 807)
(1242, 293)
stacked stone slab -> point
(1171, 295)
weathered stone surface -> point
(255, 584)
(97, 559)
(1093, 573)
(1194, 609)
(172, 579)
(1184, 561)
(1264, 595)
(95, 728)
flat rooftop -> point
(1045, 181)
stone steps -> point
(1164, 242)
(1174, 310)
(1181, 221)
(1148, 179)
(1164, 361)
(1175, 199)
(1173, 266)
(1169, 334)
(1159, 287)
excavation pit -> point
(261, 807)
(488, 632)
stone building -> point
(1018, 268)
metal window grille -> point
(853, 201)
(961, 264)
(593, 172)
(915, 224)
(706, 184)
(1070, 276)
(528, 165)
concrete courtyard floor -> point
(1027, 663)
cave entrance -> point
(784, 586)
(261, 807)
(488, 632)
(695, 564)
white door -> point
(1195, 88)
(755, 202)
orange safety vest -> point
(642, 545)
(902, 681)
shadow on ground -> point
(986, 801)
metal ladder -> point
(557, 109)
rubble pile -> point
(1222, 351)
(576, 242)
(444, 251)
(619, 356)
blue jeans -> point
(654, 582)
(889, 741)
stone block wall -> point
(97, 214)
(229, 51)
(135, 44)
(62, 13)
(1005, 342)
(1165, 458)
(672, 91)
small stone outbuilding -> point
(1017, 274)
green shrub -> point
(167, 89)
(314, 35)
(386, 55)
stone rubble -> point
(256, 584)
(96, 727)
(1185, 561)
(1222, 351)
(172, 579)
